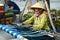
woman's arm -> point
(29, 20)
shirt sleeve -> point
(29, 20)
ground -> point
(5, 36)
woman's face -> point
(36, 9)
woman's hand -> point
(29, 25)
(21, 24)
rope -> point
(21, 15)
(50, 17)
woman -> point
(39, 19)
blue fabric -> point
(27, 32)
(16, 9)
(31, 34)
(6, 8)
(14, 5)
(23, 31)
(45, 37)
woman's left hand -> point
(29, 25)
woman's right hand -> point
(21, 24)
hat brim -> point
(37, 5)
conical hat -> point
(38, 5)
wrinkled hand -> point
(21, 24)
(29, 25)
